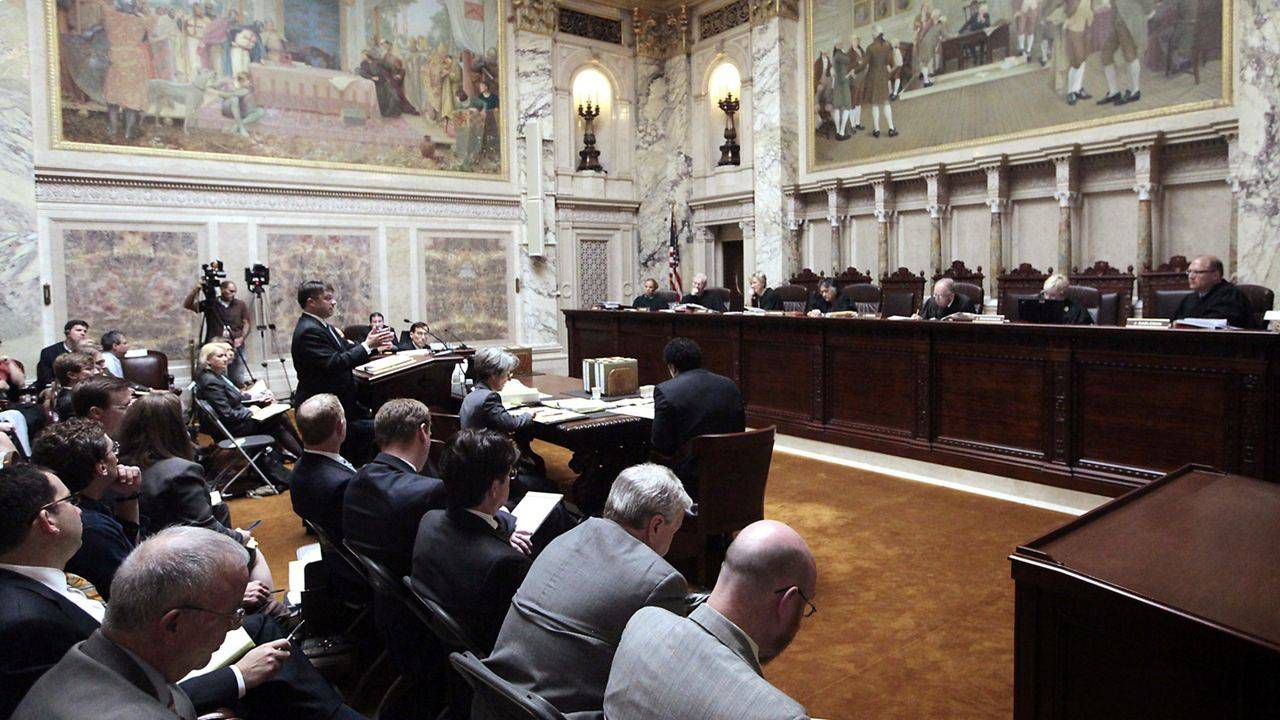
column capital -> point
(1067, 198)
(748, 228)
(998, 205)
(1146, 190)
(885, 215)
(938, 210)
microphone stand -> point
(439, 339)
(461, 345)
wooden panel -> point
(992, 402)
(872, 388)
(777, 378)
(646, 343)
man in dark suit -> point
(944, 301)
(699, 295)
(323, 360)
(827, 299)
(566, 619)
(763, 296)
(73, 333)
(649, 300)
(40, 531)
(693, 402)
(1212, 297)
(462, 555)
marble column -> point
(774, 139)
(663, 157)
(1257, 100)
(1233, 181)
(998, 202)
(885, 213)
(1146, 179)
(538, 296)
(936, 184)
(837, 208)
(1067, 180)
(20, 311)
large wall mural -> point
(399, 85)
(900, 77)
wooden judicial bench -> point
(1096, 409)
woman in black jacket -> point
(214, 387)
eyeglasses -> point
(811, 609)
(115, 447)
(72, 499)
(236, 617)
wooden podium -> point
(427, 379)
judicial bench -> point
(1096, 409)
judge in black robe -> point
(827, 299)
(944, 301)
(699, 295)
(649, 300)
(763, 296)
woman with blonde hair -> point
(227, 401)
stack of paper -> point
(533, 509)
(550, 416)
(234, 647)
(386, 364)
(580, 405)
(517, 393)
(264, 413)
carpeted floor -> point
(915, 604)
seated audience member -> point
(68, 369)
(19, 420)
(649, 300)
(1055, 288)
(321, 475)
(482, 408)
(105, 399)
(79, 452)
(1212, 297)
(214, 387)
(699, 295)
(165, 585)
(566, 619)
(465, 558)
(387, 498)
(763, 296)
(114, 346)
(945, 301)
(419, 339)
(826, 299)
(707, 666)
(39, 532)
(693, 402)
(74, 332)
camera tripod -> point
(261, 310)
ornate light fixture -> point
(589, 156)
(730, 152)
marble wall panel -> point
(400, 278)
(664, 166)
(1034, 234)
(1192, 221)
(865, 243)
(913, 247)
(1108, 229)
(133, 281)
(775, 138)
(1258, 167)
(455, 269)
(343, 258)
(19, 272)
(971, 228)
(539, 304)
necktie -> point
(82, 586)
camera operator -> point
(227, 319)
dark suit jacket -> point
(174, 493)
(649, 302)
(695, 402)
(382, 508)
(316, 490)
(819, 303)
(710, 302)
(768, 300)
(37, 628)
(470, 569)
(105, 542)
(44, 369)
(1223, 301)
(323, 364)
(226, 401)
(959, 303)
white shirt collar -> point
(493, 522)
(56, 580)
(317, 317)
(332, 456)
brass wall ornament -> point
(724, 19)
(659, 34)
(537, 16)
(765, 10)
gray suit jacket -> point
(695, 668)
(97, 679)
(482, 409)
(566, 619)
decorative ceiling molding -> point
(537, 16)
(763, 11)
(594, 27)
(661, 34)
(724, 19)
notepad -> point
(533, 509)
(234, 647)
(266, 413)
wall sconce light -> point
(730, 152)
(593, 94)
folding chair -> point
(250, 447)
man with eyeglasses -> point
(1212, 297)
(707, 666)
(40, 531)
(103, 398)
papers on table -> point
(552, 416)
(1203, 323)
(639, 410)
(234, 647)
(265, 413)
(533, 509)
(387, 364)
(517, 393)
(577, 405)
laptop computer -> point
(1041, 311)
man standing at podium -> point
(323, 360)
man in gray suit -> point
(565, 621)
(707, 666)
(174, 600)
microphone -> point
(461, 345)
(428, 328)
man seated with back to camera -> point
(323, 360)
(1213, 297)
(945, 301)
(567, 618)
(693, 402)
(699, 296)
(1073, 313)
(226, 318)
(827, 299)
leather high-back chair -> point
(1261, 299)
(1109, 309)
(151, 370)
(1012, 309)
(897, 303)
(791, 295)
(356, 333)
(668, 296)
(1165, 303)
(1088, 298)
(975, 294)
(497, 698)
(807, 279)
(866, 298)
(1167, 277)
(721, 294)
(733, 468)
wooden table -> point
(1098, 409)
(428, 379)
(1160, 604)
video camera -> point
(211, 277)
(257, 277)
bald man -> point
(1213, 297)
(699, 295)
(707, 666)
(945, 301)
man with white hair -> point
(707, 665)
(876, 87)
(699, 295)
(567, 618)
(944, 301)
(1055, 288)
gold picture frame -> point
(507, 101)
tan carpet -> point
(915, 604)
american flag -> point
(673, 257)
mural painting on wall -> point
(898, 77)
(454, 268)
(398, 85)
(342, 260)
(133, 281)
